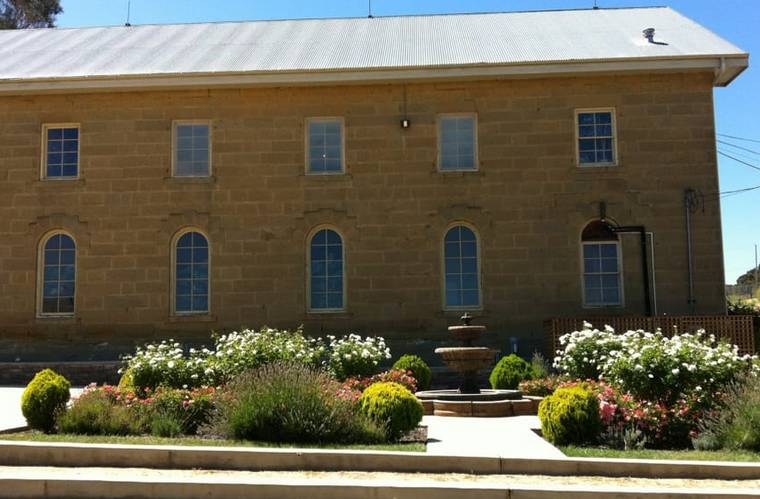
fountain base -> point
(487, 403)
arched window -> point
(602, 277)
(461, 268)
(191, 260)
(59, 261)
(326, 282)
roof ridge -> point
(374, 17)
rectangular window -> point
(324, 145)
(596, 138)
(601, 275)
(60, 157)
(192, 149)
(457, 143)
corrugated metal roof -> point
(354, 44)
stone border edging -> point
(103, 488)
(258, 459)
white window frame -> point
(43, 152)
(173, 287)
(478, 242)
(41, 275)
(439, 135)
(621, 287)
(613, 121)
(177, 123)
(307, 146)
(309, 239)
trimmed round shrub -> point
(570, 416)
(44, 399)
(393, 406)
(508, 373)
(419, 369)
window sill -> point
(56, 318)
(458, 173)
(333, 314)
(597, 168)
(329, 175)
(191, 180)
(191, 318)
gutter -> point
(726, 68)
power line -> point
(739, 160)
(739, 191)
(738, 138)
(738, 147)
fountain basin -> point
(466, 359)
(487, 403)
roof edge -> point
(725, 67)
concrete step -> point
(20, 482)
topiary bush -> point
(419, 369)
(508, 373)
(290, 403)
(570, 416)
(44, 399)
(393, 406)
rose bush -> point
(651, 366)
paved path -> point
(10, 407)
(488, 437)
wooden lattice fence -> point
(735, 328)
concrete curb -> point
(265, 489)
(256, 459)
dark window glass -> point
(325, 144)
(326, 270)
(191, 274)
(595, 138)
(461, 277)
(59, 275)
(191, 155)
(62, 152)
(457, 143)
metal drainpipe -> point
(688, 203)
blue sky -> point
(737, 107)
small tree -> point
(21, 14)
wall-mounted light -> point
(405, 123)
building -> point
(376, 175)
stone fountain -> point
(469, 399)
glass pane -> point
(67, 272)
(52, 257)
(469, 281)
(67, 257)
(335, 284)
(470, 298)
(55, 133)
(183, 303)
(318, 284)
(591, 265)
(66, 289)
(51, 273)
(200, 287)
(318, 300)
(200, 255)
(66, 305)
(69, 171)
(609, 265)
(335, 300)
(320, 268)
(593, 296)
(50, 306)
(585, 119)
(452, 235)
(605, 117)
(453, 266)
(334, 253)
(185, 240)
(184, 255)
(334, 268)
(590, 251)
(184, 131)
(592, 281)
(469, 249)
(70, 133)
(452, 250)
(470, 265)
(610, 281)
(199, 240)
(50, 289)
(55, 146)
(184, 271)
(184, 287)
(200, 303)
(318, 252)
(54, 242)
(611, 296)
(609, 250)
(200, 271)
(453, 298)
(453, 282)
